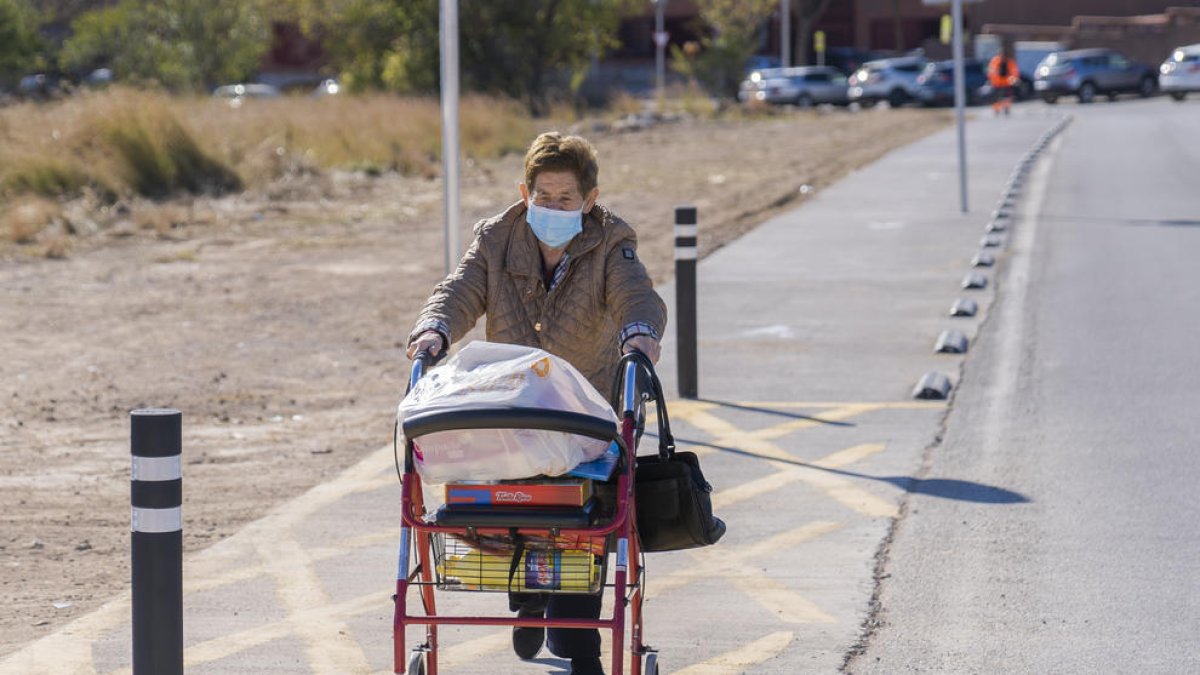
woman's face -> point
(558, 190)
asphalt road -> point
(1043, 519)
(1081, 396)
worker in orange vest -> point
(1003, 76)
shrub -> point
(23, 220)
(160, 157)
(50, 177)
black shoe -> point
(527, 642)
(590, 666)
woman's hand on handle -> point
(430, 341)
(644, 344)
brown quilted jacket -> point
(604, 289)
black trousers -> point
(567, 643)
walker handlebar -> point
(514, 418)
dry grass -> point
(24, 219)
(125, 141)
(121, 142)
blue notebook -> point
(600, 468)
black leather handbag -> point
(673, 499)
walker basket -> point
(537, 562)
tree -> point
(19, 41)
(180, 44)
(530, 50)
(808, 12)
(734, 37)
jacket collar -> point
(525, 258)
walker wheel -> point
(650, 667)
(416, 663)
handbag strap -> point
(518, 551)
(666, 442)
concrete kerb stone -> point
(951, 342)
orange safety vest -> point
(1006, 77)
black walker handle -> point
(666, 442)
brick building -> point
(902, 25)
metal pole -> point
(685, 299)
(660, 47)
(960, 101)
(450, 152)
(156, 547)
(785, 33)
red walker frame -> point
(627, 578)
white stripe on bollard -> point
(685, 252)
(157, 520)
(687, 230)
(157, 468)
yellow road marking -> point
(327, 641)
(849, 456)
(70, 649)
(788, 474)
(472, 651)
(835, 415)
(788, 605)
(729, 563)
(741, 659)
(228, 645)
(67, 651)
(877, 405)
(838, 488)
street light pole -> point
(785, 33)
(960, 100)
(660, 46)
(450, 198)
(449, 45)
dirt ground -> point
(275, 321)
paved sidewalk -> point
(813, 330)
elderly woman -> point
(560, 272)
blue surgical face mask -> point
(554, 228)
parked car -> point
(1029, 55)
(892, 80)
(1088, 72)
(238, 93)
(805, 86)
(850, 59)
(761, 62)
(328, 87)
(935, 84)
(38, 86)
(1180, 73)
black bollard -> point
(156, 549)
(685, 299)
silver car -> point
(1180, 73)
(891, 80)
(805, 86)
(1088, 72)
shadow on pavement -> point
(945, 488)
(1163, 222)
(780, 413)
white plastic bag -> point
(488, 375)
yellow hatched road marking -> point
(838, 488)
(741, 659)
(471, 651)
(834, 415)
(327, 641)
(783, 602)
(70, 649)
(228, 645)
(788, 474)
(728, 563)
(875, 405)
